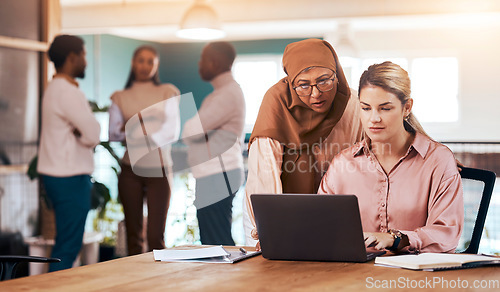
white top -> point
(223, 109)
(170, 129)
(65, 109)
(160, 102)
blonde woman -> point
(408, 186)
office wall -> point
(108, 64)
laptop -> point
(310, 227)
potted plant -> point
(106, 222)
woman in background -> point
(408, 186)
(139, 179)
(310, 108)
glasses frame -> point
(316, 85)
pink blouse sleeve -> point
(444, 221)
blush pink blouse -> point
(421, 196)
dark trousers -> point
(70, 198)
(215, 218)
(132, 190)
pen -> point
(243, 250)
(228, 254)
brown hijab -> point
(285, 118)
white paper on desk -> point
(188, 254)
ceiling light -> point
(200, 22)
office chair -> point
(8, 264)
(478, 187)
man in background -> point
(215, 156)
(69, 134)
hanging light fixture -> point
(200, 22)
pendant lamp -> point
(200, 22)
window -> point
(435, 89)
(256, 74)
(434, 84)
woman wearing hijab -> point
(408, 186)
(310, 109)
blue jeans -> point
(70, 198)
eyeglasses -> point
(322, 86)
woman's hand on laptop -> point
(255, 235)
(378, 240)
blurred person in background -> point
(219, 173)
(139, 181)
(65, 158)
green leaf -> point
(108, 147)
(96, 109)
(100, 196)
(32, 172)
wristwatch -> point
(397, 235)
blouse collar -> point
(421, 144)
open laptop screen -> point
(309, 227)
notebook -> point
(438, 261)
(310, 227)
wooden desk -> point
(141, 273)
